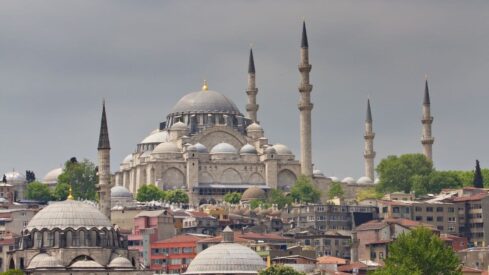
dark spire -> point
(478, 180)
(426, 100)
(103, 141)
(369, 112)
(304, 43)
(251, 65)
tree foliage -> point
(61, 191)
(368, 193)
(82, 176)
(38, 191)
(420, 252)
(150, 192)
(30, 176)
(278, 197)
(435, 182)
(12, 272)
(305, 191)
(478, 179)
(280, 270)
(336, 191)
(177, 196)
(396, 173)
(232, 197)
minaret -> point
(104, 185)
(369, 153)
(305, 106)
(252, 107)
(426, 139)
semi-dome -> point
(248, 149)
(364, 180)
(226, 258)
(52, 176)
(86, 264)
(254, 127)
(179, 126)
(201, 148)
(348, 180)
(69, 214)
(43, 260)
(166, 148)
(127, 159)
(282, 149)
(120, 262)
(270, 150)
(223, 148)
(119, 191)
(205, 102)
(253, 193)
(156, 137)
(15, 177)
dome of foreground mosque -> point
(205, 101)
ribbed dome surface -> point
(226, 258)
(120, 262)
(205, 102)
(43, 260)
(120, 192)
(52, 176)
(69, 214)
(252, 193)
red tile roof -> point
(331, 260)
(354, 265)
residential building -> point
(325, 243)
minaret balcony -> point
(427, 120)
(426, 140)
(305, 68)
(369, 155)
(305, 106)
(369, 135)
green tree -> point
(279, 270)
(256, 202)
(177, 196)
(304, 190)
(12, 272)
(336, 190)
(232, 197)
(82, 176)
(420, 252)
(278, 197)
(150, 192)
(38, 191)
(368, 193)
(396, 173)
(435, 182)
(61, 191)
(478, 179)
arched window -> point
(69, 238)
(56, 238)
(81, 233)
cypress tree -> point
(478, 180)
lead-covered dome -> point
(69, 214)
(364, 180)
(15, 177)
(119, 191)
(156, 137)
(223, 148)
(248, 149)
(253, 193)
(51, 177)
(205, 102)
(43, 260)
(166, 148)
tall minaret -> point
(426, 139)
(369, 153)
(305, 106)
(252, 107)
(104, 185)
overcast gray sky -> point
(59, 59)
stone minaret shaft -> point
(104, 185)
(305, 107)
(252, 107)
(427, 140)
(369, 153)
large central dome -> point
(205, 102)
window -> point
(327, 242)
(418, 209)
(429, 209)
(384, 209)
(406, 210)
(373, 255)
(395, 209)
(429, 219)
(381, 255)
(188, 250)
(451, 219)
(419, 218)
(439, 219)
(307, 242)
(439, 228)
(451, 209)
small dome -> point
(191, 148)
(364, 180)
(334, 179)
(248, 149)
(119, 191)
(223, 148)
(120, 262)
(179, 126)
(43, 260)
(15, 177)
(226, 258)
(127, 159)
(166, 148)
(282, 149)
(317, 173)
(52, 176)
(254, 127)
(201, 148)
(349, 180)
(252, 193)
(156, 137)
(270, 150)
(86, 263)
(69, 214)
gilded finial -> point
(205, 87)
(70, 194)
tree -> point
(254, 203)
(420, 252)
(61, 191)
(4, 179)
(38, 191)
(279, 270)
(368, 193)
(82, 176)
(232, 197)
(396, 173)
(305, 191)
(435, 182)
(177, 196)
(478, 180)
(12, 272)
(336, 190)
(278, 197)
(150, 192)
(30, 176)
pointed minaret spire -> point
(104, 185)
(305, 107)
(426, 139)
(251, 91)
(103, 140)
(369, 153)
